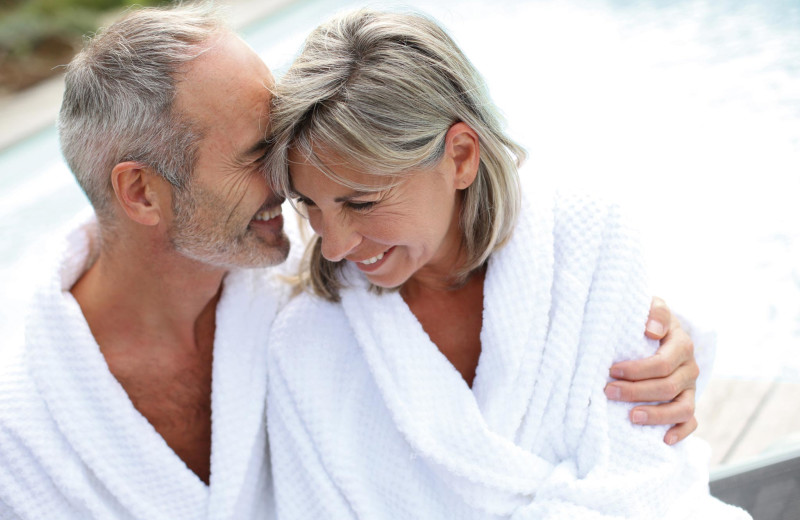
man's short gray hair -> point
(119, 98)
(380, 90)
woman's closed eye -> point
(361, 206)
(301, 202)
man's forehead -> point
(228, 65)
(229, 73)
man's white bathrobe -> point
(368, 419)
(72, 445)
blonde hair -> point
(380, 90)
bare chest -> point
(173, 392)
(453, 323)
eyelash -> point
(362, 206)
(355, 206)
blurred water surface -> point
(688, 112)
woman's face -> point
(391, 235)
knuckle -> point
(662, 367)
(686, 412)
(672, 388)
(689, 345)
(684, 340)
(694, 371)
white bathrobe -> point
(367, 419)
(72, 445)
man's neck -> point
(148, 294)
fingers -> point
(680, 431)
(660, 319)
(669, 375)
(676, 350)
(683, 379)
(678, 411)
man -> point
(140, 390)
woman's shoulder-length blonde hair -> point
(380, 90)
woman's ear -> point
(142, 194)
(462, 146)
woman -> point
(461, 332)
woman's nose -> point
(339, 237)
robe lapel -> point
(517, 299)
(245, 313)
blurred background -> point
(687, 112)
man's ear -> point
(143, 195)
(462, 146)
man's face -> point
(228, 216)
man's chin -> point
(258, 254)
(276, 255)
(274, 250)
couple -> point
(140, 390)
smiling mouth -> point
(373, 259)
(268, 214)
(371, 264)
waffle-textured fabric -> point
(367, 419)
(72, 445)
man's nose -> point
(339, 238)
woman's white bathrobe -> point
(368, 419)
(72, 445)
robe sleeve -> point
(618, 469)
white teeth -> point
(268, 214)
(373, 259)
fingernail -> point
(654, 327)
(671, 439)
(613, 392)
(639, 417)
(617, 372)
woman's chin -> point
(387, 280)
(383, 282)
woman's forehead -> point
(347, 172)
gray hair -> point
(380, 90)
(119, 97)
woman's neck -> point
(452, 318)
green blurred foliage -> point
(25, 24)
